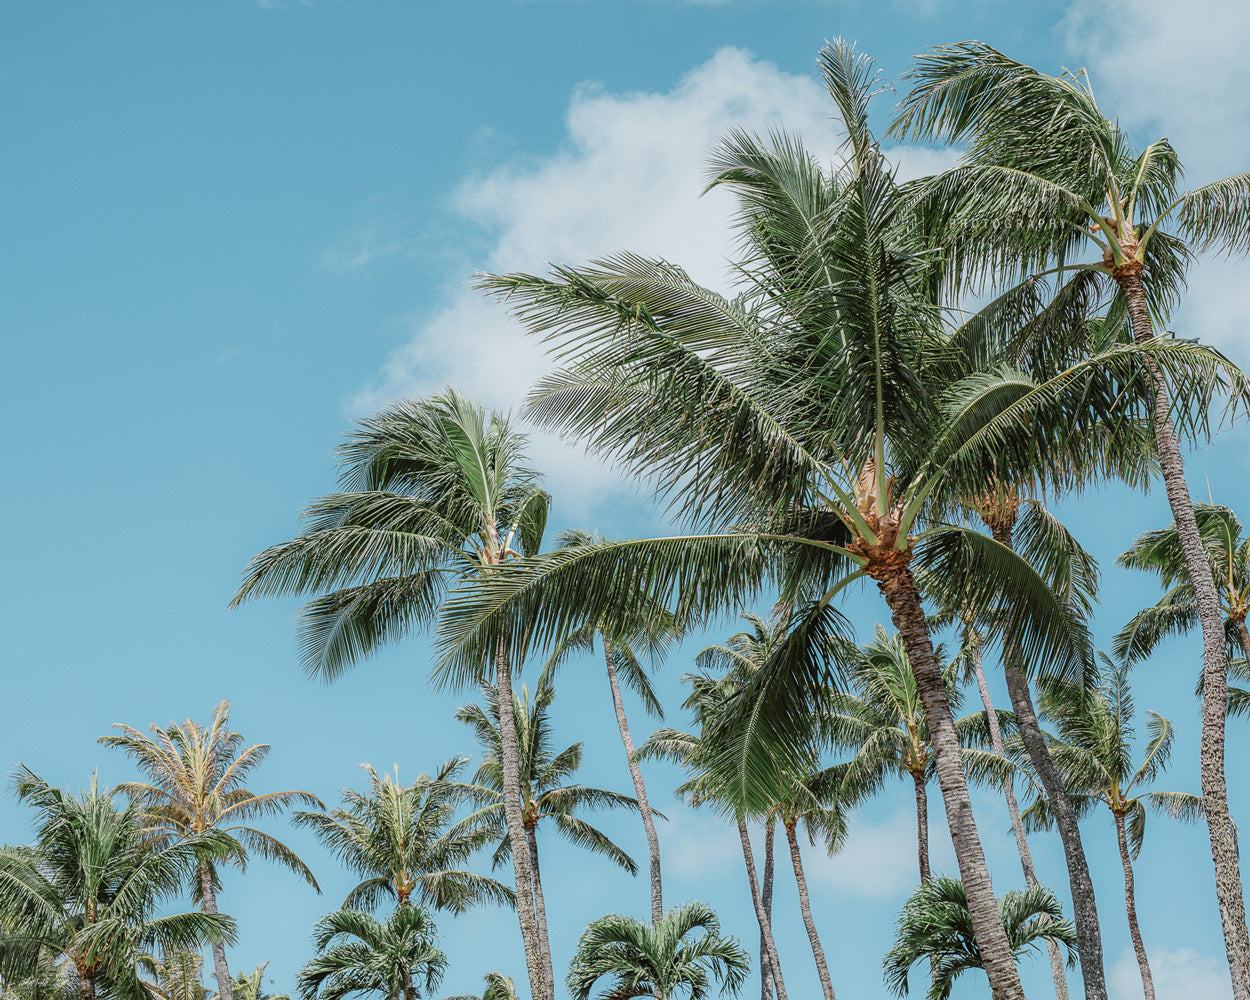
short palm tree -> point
(175, 976)
(935, 925)
(663, 960)
(545, 796)
(1048, 175)
(88, 890)
(498, 987)
(437, 493)
(1093, 748)
(249, 985)
(357, 953)
(196, 786)
(403, 841)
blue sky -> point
(227, 229)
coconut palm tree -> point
(357, 953)
(248, 985)
(49, 980)
(619, 658)
(1048, 175)
(89, 887)
(935, 925)
(662, 960)
(175, 976)
(436, 493)
(543, 792)
(197, 774)
(498, 987)
(1093, 748)
(402, 840)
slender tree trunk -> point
(760, 913)
(822, 967)
(541, 988)
(1017, 826)
(899, 590)
(540, 906)
(86, 984)
(1228, 888)
(640, 790)
(766, 897)
(208, 902)
(1130, 907)
(1080, 884)
(922, 824)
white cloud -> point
(1179, 974)
(879, 860)
(695, 844)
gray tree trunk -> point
(922, 825)
(760, 913)
(1228, 887)
(208, 902)
(540, 906)
(900, 593)
(767, 988)
(640, 790)
(818, 952)
(1130, 907)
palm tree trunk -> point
(208, 902)
(1017, 826)
(899, 590)
(640, 790)
(540, 906)
(541, 987)
(822, 968)
(86, 984)
(1130, 907)
(766, 896)
(1081, 885)
(922, 825)
(1228, 888)
(760, 913)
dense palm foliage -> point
(357, 953)
(664, 960)
(196, 785)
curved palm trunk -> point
(818, 952)
(1130, 907)
(1228, 888)
(766, 897)
(1080, 884)
(541, 987)
(922, 824)
(540, 907)
(1017, 826)
(899, 590)
(760, 913)
(640, 790)
(208, 902)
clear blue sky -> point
(227, 229)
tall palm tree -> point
(542, 790)
(804, 427)
(1048, 175)
(619, 658)
(89, 887)
(436, 493)
(660, 960)
(935, 925)
(403, 841)
(196, 786)
(357, 953)
(1094, 750)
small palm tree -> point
(403, 841)
(545, 794)
(498, 987)
(1094, 751)
(88, 889)
(357, 953)
(659, 961)
(248, 985)
(935, 925)
(196, 786)
(176, 976)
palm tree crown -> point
(357, 953)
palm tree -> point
(804, 427)
(176, 976)
(196, 786)
(247, 985)
(1094, 751)
(543, 792)
(437, 493)
(619, 657)
(357, 953)
(1047, 175)
(50, 979)
(935, 925)
(401, 839)
(89, 887)
(659, 960)
(498, 987)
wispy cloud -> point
(1179, 974)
